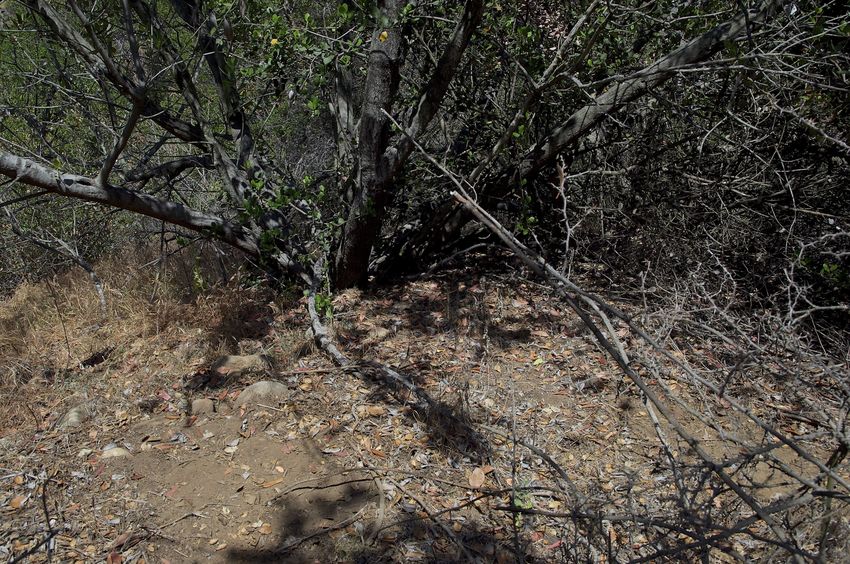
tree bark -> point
(379, 164)
(364, 220)
(80, 187)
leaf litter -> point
(341, 466)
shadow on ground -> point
(335, 522)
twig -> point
(50, 531)
(294, 543)
(61, 317)
(548, 459)
(272, 408)
(382, 510)
(184, 516)
(433, 517)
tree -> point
(700, 144)
(189, 91)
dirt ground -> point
(339, 468)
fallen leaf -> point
(477, 478)
(17, 502)
(272, 483)
(119, 542)
(376, 410)
(265, 529)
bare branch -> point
(83, 188)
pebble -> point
(74, 417)
(262, 391)
(241, 364)
(202, 406)
(115, 452)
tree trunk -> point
(378, 170)
(364, 221)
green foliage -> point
(324, 305)
(199, 283)
(522, 499)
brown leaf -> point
(272, 483)
(119, 542)
(477, 478)
(17, 502)
(376, 410)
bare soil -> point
(343, 469)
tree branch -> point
(83, 188)
(438, 85)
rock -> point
(202, 406)
(262, 391)
(74, 417)
(241, 364)
(115, 452)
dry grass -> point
(48, 328)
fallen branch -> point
(419, 399)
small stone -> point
(74, 417)
(262, 391)
(115, 452)
(242, 364)
(84, 453)
(202, 406)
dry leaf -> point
(376, 410)
(477, 478)
(265, 529)
(272, 483)
(17, 502)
